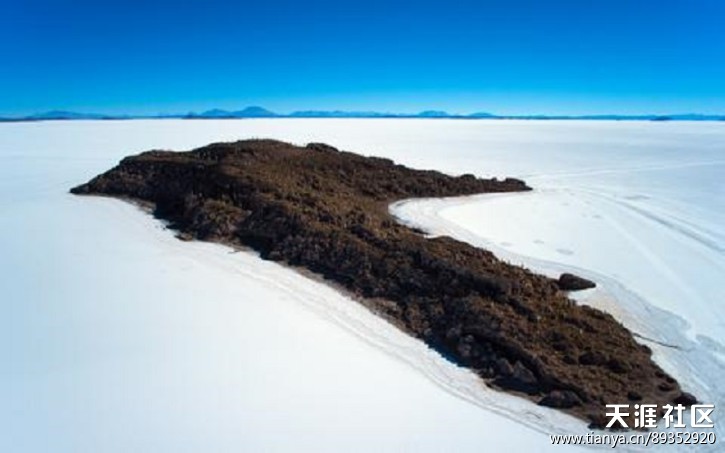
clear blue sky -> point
(558, 57)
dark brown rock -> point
(634, 396)
(561, 399)
(326, 211)
(592, 358)
(571, 282)
(686, 399)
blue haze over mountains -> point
(260, 112)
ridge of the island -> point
(326, 211)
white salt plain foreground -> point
(117, 337)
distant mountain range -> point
(260, 112)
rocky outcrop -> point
(571, 282)
(326, 211)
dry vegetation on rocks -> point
(326, 211)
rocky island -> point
(326, 211)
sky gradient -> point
(506, 57)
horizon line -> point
(255, 111)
